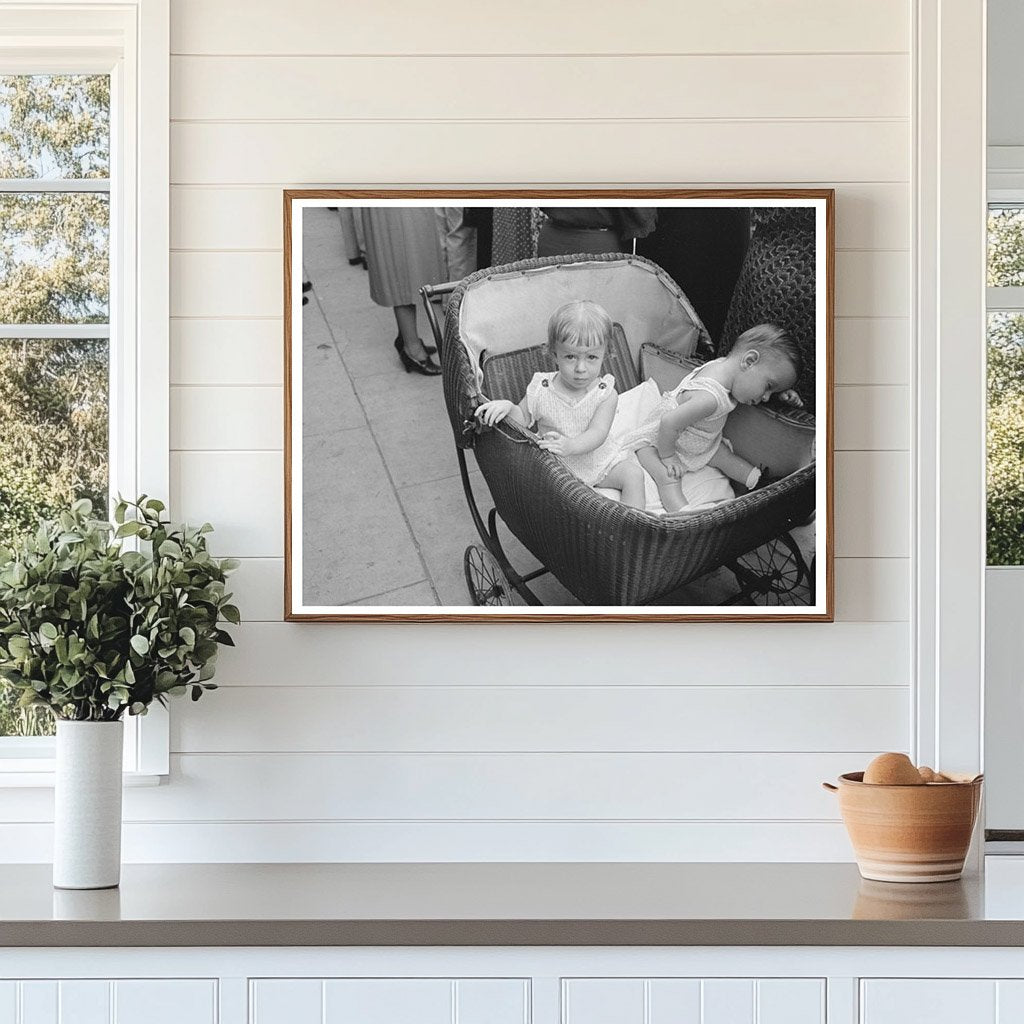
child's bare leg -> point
(627, 477)
(670, 491)
(732, 465)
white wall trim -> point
(950, 444)
(136, 47)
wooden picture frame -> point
(397, 495)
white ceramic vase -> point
(87, 805)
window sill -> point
(39, 774)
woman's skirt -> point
(403, 252)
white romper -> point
(551, 411)
(697, 444)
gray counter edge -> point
(510, 933)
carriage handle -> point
(428, 293)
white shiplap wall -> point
(675, 741)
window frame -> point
(130, 41)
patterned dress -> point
(551, 411)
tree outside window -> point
(1005, 483)
(54, 308)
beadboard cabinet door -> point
(102, 1001)
(942, 1001)
(388, 1001)
(693, 1001)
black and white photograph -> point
(607, 405)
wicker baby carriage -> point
(605, 553)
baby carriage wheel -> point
(775, 572)
(487, 584)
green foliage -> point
(1005, 476)
(1005, 247)
(54, 126)
(91, 630)
(1005, 483)
(54, 268)
(53, 442)
(54, 247)
(19, 721)
(1005, 479)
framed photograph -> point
(558, 405)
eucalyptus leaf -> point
(93, 631)
(170, 549)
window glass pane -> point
(1005, 246)
(1005, 482)
(53, 449)
(54, 126)
(54, 257)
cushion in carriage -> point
(507, 374)
(506, 309)
(779, 438)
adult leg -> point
(405, 316)
(353, 249)
(458, 240)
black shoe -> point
(400, 346)
(358, 261)
(305, 300)
(425, 366)
(306, 285)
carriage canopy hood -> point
(505, 311)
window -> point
(54, 309)
(1005, 477)
(84, 124)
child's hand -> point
(790, 397)
(491, 413)
(554, 442)
(673, 467)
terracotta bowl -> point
(909, 833)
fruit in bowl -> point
(908, 824)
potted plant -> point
(93, 631)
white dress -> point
(551, 411)
(697, 444)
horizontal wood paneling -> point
(461, 787)
(747, 93)
(868, 216)
(867, 589)
(800, 654)
(221, 352)
(233, 284)
(733, 152)
(732, 26)
(872, 418)
(872, 283)
(478, 786)
(158, 842)
(282, 88)
(870, 350)
(872, 589)
(549, 718)
(873, 503)
(241, 493)
(239, 418)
